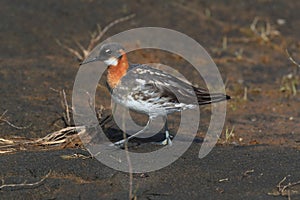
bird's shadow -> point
(115, 135)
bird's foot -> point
(167, 140)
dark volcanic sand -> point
(187, 178)
(266, 125)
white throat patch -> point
(111, 61)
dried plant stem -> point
(61, 136)
(291, 58)
(66, 114)
(58, 139)
(282, 188)
(11, 124)
(24, 184)
(82, 53)
(128, 160)
(69, 136)
(71, 50)
(96, 36)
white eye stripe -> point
(111, 61)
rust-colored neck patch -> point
(115, 73)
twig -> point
(91, 102)
(99, 33)
(72, 51)
(201, 15)
(248, 172)
(82, 53)
(128, 160)
(266, 31)
(282, 188)
(58, 139)
(3, 114)
(65, 137)
(223, 180)
(76, 155)
(62, 136)
(11, 124)
(291, 58)
(24, 183)
(66, 107)
(245, 94)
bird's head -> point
(109, 53)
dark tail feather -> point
(206, 98)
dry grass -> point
(262, 28)
(291, 81)
(289, 84)
(292, 59)
(95, 38)
(24, 184)
(285, 189)
(68, 136)
(228, 136)
(4, 119)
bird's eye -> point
(108, 51)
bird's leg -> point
(167, 140)
(134, 135)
